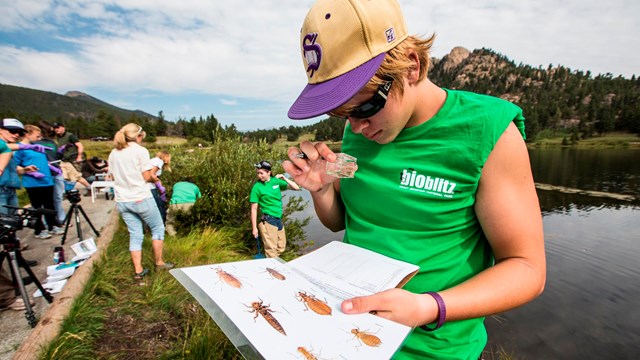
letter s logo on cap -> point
(312, 52)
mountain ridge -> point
(27, 103)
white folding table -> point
(108, 185)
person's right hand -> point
(310, 173)
(255, 233)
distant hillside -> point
(555, 100)
(32, 105)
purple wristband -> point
(442, 312)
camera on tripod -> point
(19, 219)
(74, 196)
(74, 212)
(9, 224)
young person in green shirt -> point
(266, 194)
(443, 178)
(184, 194)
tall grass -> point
(117, 317)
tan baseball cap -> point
(343, 43)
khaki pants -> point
(69, 172)
(171, 216)
(274, 240)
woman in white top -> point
(130, 167)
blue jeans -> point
(9, 197)
(277, 222)
(58, 196)
(137, 213)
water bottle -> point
(58, 255)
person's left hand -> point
(62, 148)
(396, 305)
(34, 147)
(30, 168)
(163, 197)
(55, 170)
(280, 176)
(35, 174)
(161, 188)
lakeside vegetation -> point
(618, 140)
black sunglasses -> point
(373, 105)
(16, 131)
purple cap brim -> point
(319, 99)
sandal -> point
(141, 274)
(165, 266)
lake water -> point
(590, 306)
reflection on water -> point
(589, 309)
(555, 202)
(610, 170)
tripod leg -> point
(77, 217)
(89, 221)
(67, 222)
(45, 293)
(15, 271)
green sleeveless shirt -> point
(413, 200)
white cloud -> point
(21, 14)
(229, 102)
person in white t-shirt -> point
(129, 164)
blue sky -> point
(239, 60)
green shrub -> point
(225, 174)
(150, 138)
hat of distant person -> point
(263, 164)
(12, 124)
(343, 43)
(57, 125)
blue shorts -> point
(137, 213)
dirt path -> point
(18, 340)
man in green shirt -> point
(184, 195)
(443, 180)
(267, 195)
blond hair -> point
(166, 158)
(395, 66)
(128, 133)
(30, 129)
